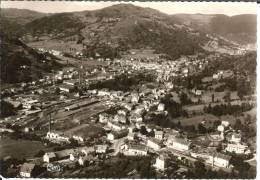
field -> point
(195, 120)
(145, 53)
(85, 130)
(20, 148)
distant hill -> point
(119, 27)
(21, 63)
(20, 16)
(12, 20)
(239, 28)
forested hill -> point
(21, 63)
(239, 28)
(122, 27)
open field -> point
(20, 148)
(85, 130)
(143, 53)
(195, 120)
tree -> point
(212, 98)
(143, 130)
(201, 128)
(184, 99)
(57, 91)
(239, 164)
(39, 154)
(238, 125)
(7, 109)
(199, 169)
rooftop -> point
(27, 167)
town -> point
(130, 108)
(89, 106)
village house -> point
(72, 82)
(49, 157)
(139, 109)
(135, 98)
(115, 126)
(196, 92)
(56, 136)
(27, 170)
(236, 138)
(74, 156)
(117, 134)
(84, 159)
(120, 118)
(103, 118)
(131, 136)
(161, 107)
(66, 88)
(236, 148)
(223, 126)
(158, 135)
(121, 112)
(161, 162)
(178, 144)
(220, 160)
(135, 117)
(136, 150)
(101, 149)
(86, 150)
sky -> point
(228, 8)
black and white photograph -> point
(128, 90)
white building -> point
(178, 144)
(120, 118)
(158, 135)
(57, 136)
(135, 118)
(225, 123)
(136, 150)
(101, 148)
(26, 170)
(135, 98)
(237, 148)
(117, 134)
(131, 136)
(160, 163)
(221, 128)
(49, 157)
(103, 118)
(86, 150)
(236, 138)
(161, 107)
(220, 160)
(115, 126)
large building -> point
(27, 170)
(178, 144)
(237, 148)
(220, 160)
(136, 150)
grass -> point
(19, 148)
(195, 120)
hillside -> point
(12, 20)
(239, 28)
(20, 16)
(119, 27)
(21, 64)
